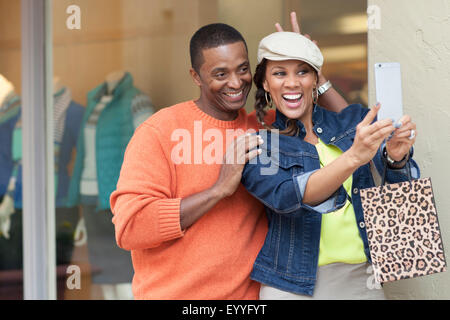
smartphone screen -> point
(388, 85)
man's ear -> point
(195, 76)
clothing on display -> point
(113, 264)
(9, 117)
(114, 126)
(67, 120)
(68, 115)
(115, 109)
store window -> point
(115, 63)
(11, 262)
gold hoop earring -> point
(315, 95)
(267, 100)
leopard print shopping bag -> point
(403, 230)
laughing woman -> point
(317, 246)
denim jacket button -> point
(332, 139)
(355, 190)
(319, 130)
(362, 225)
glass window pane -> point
(11, 262)
(116, 62)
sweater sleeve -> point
(145, 212)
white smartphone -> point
(388, 85)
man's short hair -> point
(211, 36)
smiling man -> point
(193, 230)
(221, 70)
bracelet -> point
(324, 88)
(392, 163)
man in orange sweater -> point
(190, 234)
(193, 230)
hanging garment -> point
(108, 124)
(114, 127)
(67, 120)
(9, 115)
(9, 121)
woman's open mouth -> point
(293, 100)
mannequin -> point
(112, 79)
(67, 117)
(67, 120)
(115, 108)
(6, 90)
(57, 85)
(10, 220)
(120, 291)
(103, 250)
(6, 210)
(7, 203)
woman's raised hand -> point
(402, 140)
(296, 28)
(369, 136)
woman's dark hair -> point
(260, 98)
(292, 128)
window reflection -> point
(10, 153)
(127, 60)
(130, 58)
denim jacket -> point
(289, 257)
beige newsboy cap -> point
(285, 45)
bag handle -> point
(383, 176)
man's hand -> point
(240, 151)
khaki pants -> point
(336, 281)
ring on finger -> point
(412, 135)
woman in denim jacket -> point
(313, 163)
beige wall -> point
(253, 24)
(150, 39)
(416, 33)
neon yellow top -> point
(339, 237)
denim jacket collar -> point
(281, 120)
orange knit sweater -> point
(213, 258)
